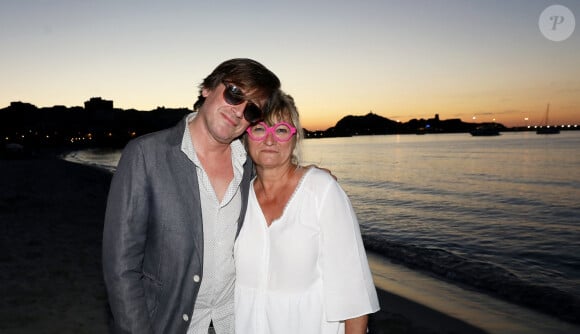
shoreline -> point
(458, 305)
(51, 214)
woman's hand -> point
(324, 169)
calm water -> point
(497, 213)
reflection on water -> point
(509, 200)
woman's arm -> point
(356, 325)
(348, 284)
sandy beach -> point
(51, 216)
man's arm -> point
(124, 237)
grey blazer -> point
(153, 235)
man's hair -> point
(257, 82)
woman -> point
(301, 266)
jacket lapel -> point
(186, 175)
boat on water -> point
(485, 130)
(546, 129)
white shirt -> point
(215, 299)
(308, 271)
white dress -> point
(308, 271)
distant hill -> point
(373, 124)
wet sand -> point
(51, 216)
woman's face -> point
(271, 146)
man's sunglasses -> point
(233, 96)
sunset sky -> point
(486, 60)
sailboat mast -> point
(547, 129)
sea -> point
(500, 214)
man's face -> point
(225, 122)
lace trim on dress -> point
(290, 200)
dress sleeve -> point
(349, 290)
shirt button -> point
(185, 317)
(196, 278)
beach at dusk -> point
(50, 265)
(50, 258)
(453, 127)
(50, 262)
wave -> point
(99, 158)
(484, 276)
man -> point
(176, 204)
